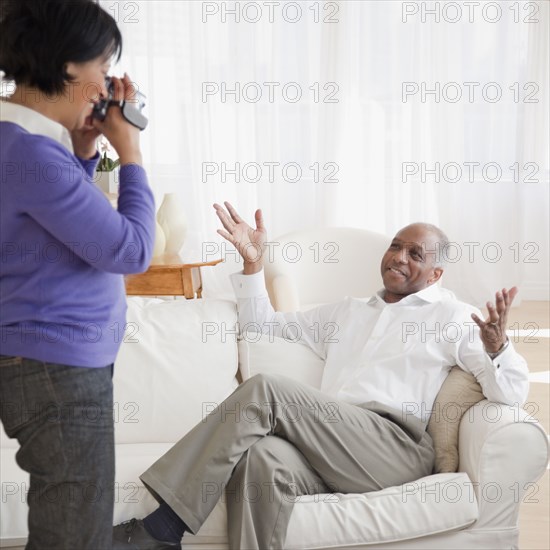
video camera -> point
(131, 109)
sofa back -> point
(178, 358)
(266, 354)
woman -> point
(64, 250)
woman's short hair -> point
(38, 37)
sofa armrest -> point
(504, 451)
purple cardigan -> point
(65, 250)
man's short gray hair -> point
(443, 243)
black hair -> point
(38, 37)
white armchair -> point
(317, 266)
(502, 453)
(502, 450)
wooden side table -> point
(168, 275)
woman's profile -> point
(65, 250)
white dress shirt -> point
(397, 354)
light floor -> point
(533, 342)
(533, 321)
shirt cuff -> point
(503, 358)
(249, 286)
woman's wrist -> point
(131, 158)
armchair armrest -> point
(504, 451)
(285, 296)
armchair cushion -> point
(457, 394)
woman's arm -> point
(51, 186)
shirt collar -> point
(35, 123)
(430, 294)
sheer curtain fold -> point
(351, 152)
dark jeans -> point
(62, 417)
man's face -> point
(408, 264)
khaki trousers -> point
(272, 440)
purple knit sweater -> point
(65, 250)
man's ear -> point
(437, 273)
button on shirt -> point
(396, 355)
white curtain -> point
(364, 150)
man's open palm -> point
(249, 242)
(493, 329)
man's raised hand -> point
(249, 242)
(493, 329)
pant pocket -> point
(10, 361)
(12, 396)
(30, 413)
(41, 452)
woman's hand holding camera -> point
(122, 135)
(84, 140)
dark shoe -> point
(132, 535)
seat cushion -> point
(430, 505)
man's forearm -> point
(505, 379)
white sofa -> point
(179, 358)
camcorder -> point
(131, 109)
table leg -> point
(197, 281)
(187, 280)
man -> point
(379, 381)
